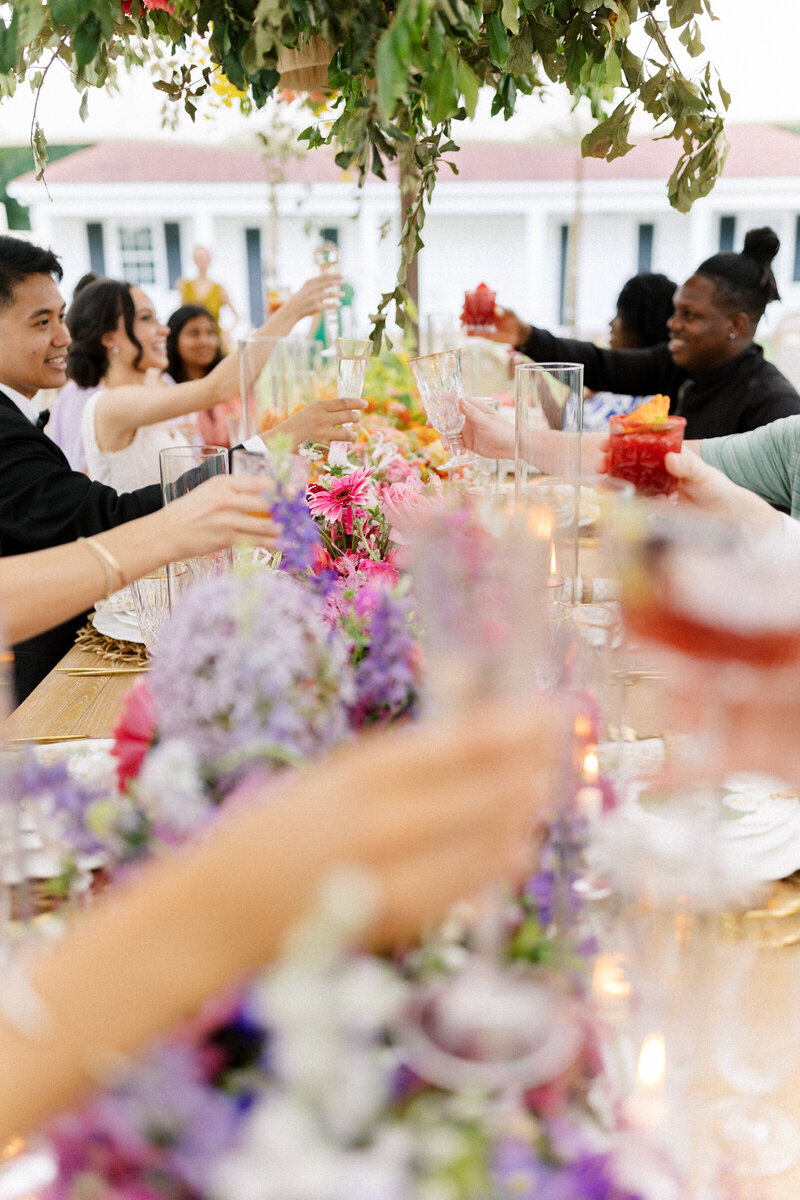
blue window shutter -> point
(562, 273)
(172, 241)
(727, 232)
(97, 254)
(255, 284)
(645, 257)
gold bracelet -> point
(111, 568)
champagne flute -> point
(182, 469)
(352, 356)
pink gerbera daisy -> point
(333, 498)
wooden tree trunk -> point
(407, 193)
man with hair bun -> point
(712, 370)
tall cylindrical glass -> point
(299, 374)
(549, 428)
(182, 469)
(262, 405)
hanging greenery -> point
(401, 72)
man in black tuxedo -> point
(42, 501)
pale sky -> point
(753, 45)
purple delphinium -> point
(384, 671)
(250, 674)
(298, 532)
(59, 799)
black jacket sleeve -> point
(44, 503)
(628, 372)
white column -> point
(202, 234)
(366, 278)
(701, 241)
(537, 304)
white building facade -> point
(135, 210)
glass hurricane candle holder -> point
(547, 458)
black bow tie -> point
(43, 418)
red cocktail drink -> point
(477, 315)
(711, 591)
(660, 622)
(636, 452)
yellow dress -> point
(213, 299)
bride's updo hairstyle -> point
(95, 310)
(744, 282)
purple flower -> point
(251, 674)
(162, 1120)
(298, 532)
(62, 800)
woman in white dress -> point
(117, 338)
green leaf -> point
(681, 11)
(609, 138)
(443, 90)
(509, 15)
(498, 39)
(29, 15)
(39, 148)
(469, 86)
(8, 45)
(68, 13)
(622, 25)
(83, 111)
(391, 67)
(86, 40)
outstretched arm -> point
(121, 410)
(452, 811)
(42, 589)
(705, 487)
(551, 451)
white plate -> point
(758, 832)
(118, 626)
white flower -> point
(170, 789)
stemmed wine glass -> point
(326, 259)
(441, 389)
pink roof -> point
(756, 151)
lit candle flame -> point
(553, 565)
(609, 979)
(591, 765)
(583, 726)
(652, 1065)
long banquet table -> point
(71, 704)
